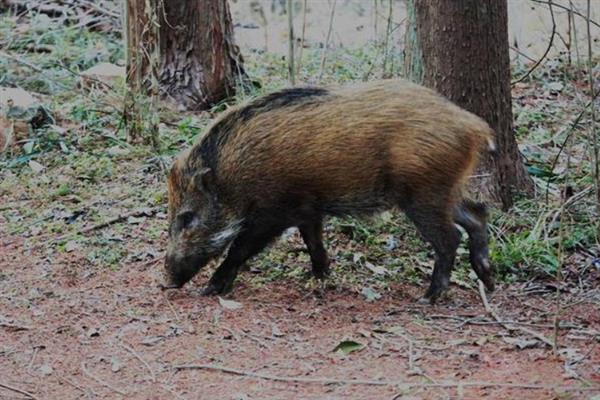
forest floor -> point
(70, 331)
(83, 232)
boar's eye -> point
(186, 219)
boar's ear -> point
(204, 179)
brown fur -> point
(348, 143)
(351, 150)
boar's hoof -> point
(433, 294)
(489, 284)
(321, 273)
(484, 271)
(209, 290)
(214, 288)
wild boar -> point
(295, 156)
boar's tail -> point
(491, 146)
(490, 138)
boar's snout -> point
(180, 270)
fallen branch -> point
(17, 390)
(473, 321)
(329, 381)
(507, 326)
(173, 310)
(20, 60)
(34, 67)
(14, 327)
(171, 391)
(36, 349)
(147, 212)
(84, 390)
(85, 77)
(100, 381)
(121, 217)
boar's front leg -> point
(312, 234)
(249, 242)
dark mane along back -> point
(208, 148)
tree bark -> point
(464, 47)
(200, 64)
(413, 59)
(187, 47)
(142, 34)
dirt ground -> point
(105, 334)
(81, 317)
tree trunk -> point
(181, 50)
(200, 64)
(413, 59)
(464, 45)
(140, 114)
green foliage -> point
(534, 242)
(107, 256)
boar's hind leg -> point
(248, 243)
(312, 234)
(472, 216)
(436, 226)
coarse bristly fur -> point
(295, 156)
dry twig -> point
(20, 60)
(407, 384)
(13, 327)
(148, 212)
(550, 43)
(569, 132)
(136, 355)
(36, 349)
(509, 327)
(473, 321)
(17, 390)
(326, 45)
(76, 386)
(171, 391)
(100, 381)
(569, 9)
(172, 308)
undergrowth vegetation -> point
(77, 170)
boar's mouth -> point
(180, 271)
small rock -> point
(115, 364)
(46, 369)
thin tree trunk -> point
(464, 45)
(299, 64)
(142, 34)
(291, 39)
(413, 59)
